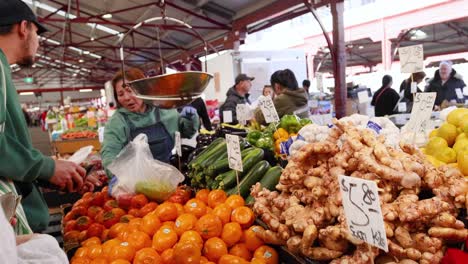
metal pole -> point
(339, 69)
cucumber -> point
(222, 164)
(252, 177)
(228, 180)
(271, 178)
(212, 156)
(203, 154)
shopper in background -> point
(405, 85)
(21, 165)
(200, 106)
(445, 82)
(306, 86)
(290, 99)
(268, 91)
(238, 94)
(27, 117)
(385, 98)
(134, 116)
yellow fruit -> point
(423, 150)
(448, 132)
(433, 133)
(461, 144)
(461, 136)
(463, 124)
(462, 158)
(435, 144)
(453, 165)
(455, 116)
(435, 162)
(446, 155)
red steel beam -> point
(124, 10)
(62, 89)
(76, 45)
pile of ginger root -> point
(306, 215)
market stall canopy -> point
(81, 47)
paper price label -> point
(178, 144)
(402, 107)
(234, 152)
(268, 109)
(459, 93)
(363, 97)
(227, 116)
(421, 112)
(362, 210)
(319, 79)
(411, 59)
(414, 87)
(242, 113)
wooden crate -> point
(72, 145)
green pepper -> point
(305, 121)
(290, 123)
(270, 129)
(265, 143)
(253, 136)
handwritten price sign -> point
(421, 112)
(411, 59)
(178, 144)
(268, 109)
(362, 209)
(242, 113)
(234, 152)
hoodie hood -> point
(453, 74)
(298, 97)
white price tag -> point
(234, 152)
(421, 112)
(459, 93)
(268, 109)
(313, 103)
(319, 79)
(362, 209)
(227, 116)
(178, 144)
(411, 58)
(242, 113)
(101, 134)
(401, 107)
(363, 97)
(414, 87)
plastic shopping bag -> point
(138, 172)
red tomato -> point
(125, 200)
(83, 223)
(95, 230)
(181, 195)
(78, 211)
(118, 212)
(148, 208)
(69, 226)
(93, 211)
(109, 219)
(98, 199)
(110, 204)
(138, 201)
(72, 236)
(82, 202)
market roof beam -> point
(190, 12)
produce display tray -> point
(72, 145)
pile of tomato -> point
(209, 228)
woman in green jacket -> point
(290, 99)
(134, 117)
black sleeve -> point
(229, 105)
(395, 98)
(199, 104)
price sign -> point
(178, 144)
(411, 59)
(234, 152)
(414, 87)
(227, 116)
(362, 210)
(101, 134)
(268, 109)
(401, 107)
(421, 112)
(242, 113)
(363, 97)
(319, 79)
(459, 93)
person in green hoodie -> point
(22, 167)
(290, 99)
(134, 117)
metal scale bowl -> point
(171, 90)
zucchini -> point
(271, 178)
(228, 180)
(249, 200)
(222, 164)
(203, 154)
(211, 156)
(252, 177)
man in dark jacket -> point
(238, 94)
(445, 83)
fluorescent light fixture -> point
(92, 39)
(361, 47)
(75, 74)
(417, 34)
(75, 49)
(81, 61)
(107, 16)
(86, 90)
(26, 93)
(95, 56)
(34, 66)
(86, 52)
(103, 28)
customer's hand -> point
(68, 175)
(91, 181)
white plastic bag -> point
(137, 171)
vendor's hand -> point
(91, 181)
(188, 112)
(68, 175)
